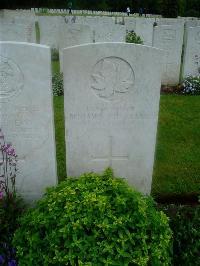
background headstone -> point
(72, 34)
(170, 39)
(144, 28)
(26, 115)
(112, 93)
(191, 62)
(17, 26)
(49, 30)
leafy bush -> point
(57, 83)
(191, 85)
(132, 37)
(185, 224)
(54, 54)
(93, 220)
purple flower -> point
(1, 259)
(12, 263)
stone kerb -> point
(26, 115)
(191, 62)
(111, 93)
(170, 39)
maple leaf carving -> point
(112, 77)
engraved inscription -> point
(112, 77)
(11, 78)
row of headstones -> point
(59, 32)
(178, 38)
(88, 12)
(111, 109)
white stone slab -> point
(144, 28)
(72, 34)
(12, 31)
(130, 23)
(104, 28)
(17, 26)
(26, 116)
(170, 39)
(112, 93)
(110, 33)
(191, 62)
(49, 30)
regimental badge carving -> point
(11, 78)
(112, 77)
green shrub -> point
(132, 37)
(57, 84)
(191, 85)
(185, 224)
(93, 220)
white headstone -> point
(104, 28)
(12, 31)
(170, 39)
(191, 65)
(112, 93)
(72, 34)
(49, 30)
(17, 26)
(130, 23)
(144, 28)
(26, 116)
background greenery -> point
(169, 8)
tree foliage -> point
(169, 8)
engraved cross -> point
(111, 157)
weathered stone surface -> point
(130, 23)
(191, 63)
(49, 30)
(170, 39)
(26, 116)
(17, 26)
(112, 95)
(72, 34)
(105, 29)
(144, 28)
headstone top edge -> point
(25, 44)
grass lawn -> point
(177, 160)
